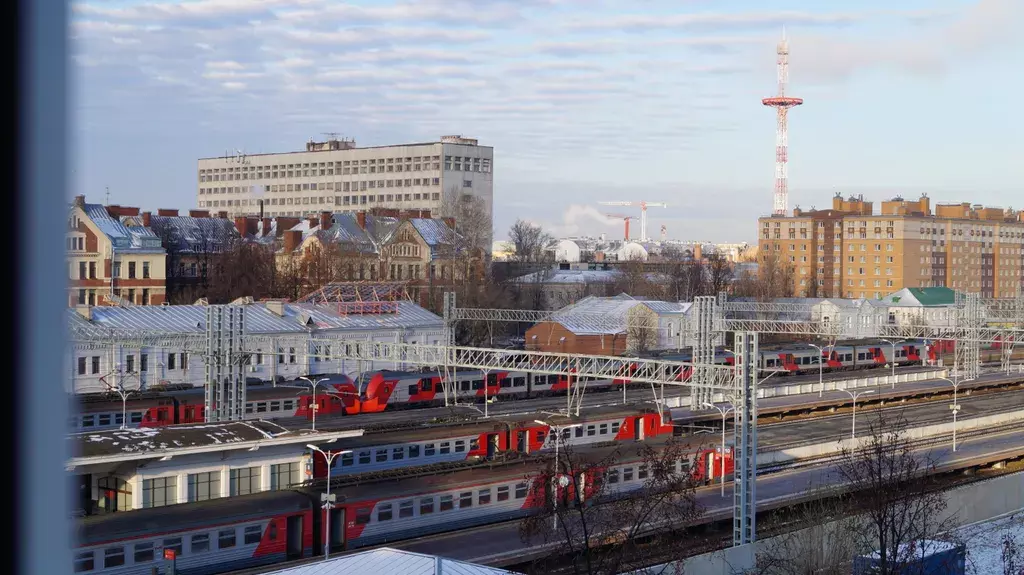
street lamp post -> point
(724, 412)
(821, 380)
(854, 395)
(328, 502)
(955, 408)
(313, 383)
(559, 429)
(893, 359)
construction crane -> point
(664, 232)
(643, 213)
(623, 218)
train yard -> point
(477, 474)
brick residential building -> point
(851, 251)
(109, 262)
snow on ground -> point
(986, 545)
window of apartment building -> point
(145, 296)
(82, 267)
(145, 270)
(143, 362)
(92, 297)
(92, 270)
(131, 295)
(284, 474)
(131, 270)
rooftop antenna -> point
(108, 195)
(331, 135)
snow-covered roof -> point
(608, 315)
(121, 236)
(296, 318)
(391, 562)
(186, 234)
(141, 440)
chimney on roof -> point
(199, 213)
(167, 213)
(84, 311)
(147, 218)
(275, 307)
(361, 219)
(266, 226)
(285, 223)
(80, 201)
(292, 239)
(261, 209)
(222, 215)
(326, 220)
(425, 214)
(240, 225)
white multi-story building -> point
(337, 176)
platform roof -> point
(117, 445)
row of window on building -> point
(162, 491)
(89, 296)
(345, 167)
(87, 270)
(332, 186)
(174, 361)
(323, 200)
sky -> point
(582, 100)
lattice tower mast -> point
(782, 103)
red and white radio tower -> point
(782, 103)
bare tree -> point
(774, 279)
(529, 241)
(641, 329)
(472, 219)
(246, 268)
(603, 529)
(900, 500)
(720, 274)
(634, 278)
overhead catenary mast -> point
(782, 103)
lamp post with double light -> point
(854, 395)
(559, 430)
(725, 412)
(955, 408)
(893, 343)
(821, 368)
(328, 499)
(313, 383)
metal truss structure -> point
(225, 383)
(598, 322)
(703, 317)
(744, 514)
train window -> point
(424, 384)
(84, 562)
(519, 382)
(860, 356)
(446, 503)
(483, 496)
(460, 445)
(253, 534)
(347, 460)
(248, 407)
(579, 431)
(604, 429)
(615, 427)
(641, 472)
(426, 506)
(200, 543)
(104, 419)
(225, 538)
(414, 451)
(384, 512)
(161, 414)
(506, 382)
(474, 444)
(478, 384)
(521, 490)
(465, 500)
(88, 421)
(275, 406)
(591, 430)
(405, 509)
(413, 389)
(464, 385)
(552, 379)
(627, 474)
(428, 450)
(363, 515)
(364, 457)
(261, 407)
(173, 543)
(503, 493)
(539, 436)
(113, 556)
(288, 404)
(381, 455)
(612, 476)
(272, 532)
(439, 387)
(397, 453)
(446, 448)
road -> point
(501, 544)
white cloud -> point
(225, 65)
(233, 85)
